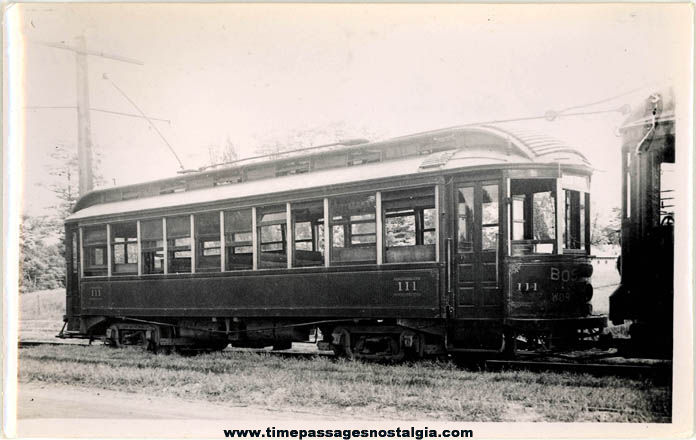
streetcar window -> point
(409, 225)
(533, 216)
(238, 247)
(627, 195)
(465, 219)
(667, 186)
(574, 233)
(152, 246)
(207, 235)
(354, 229)
(544, 216)
(489, 217)
(271, 224)
(179, 244)
(429, 226)
(124, 248)
(94, 250)
(518, 217)
(308, 225)
(582, 221)
(73, 253)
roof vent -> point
(438, 159)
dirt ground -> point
(63, 401)
(57, 410)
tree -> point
(42, 238)
(297, 139)
(221, 155)
(64, 184)
(42, 265)
(606, 230)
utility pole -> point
(84, 136)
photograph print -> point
(348, 220)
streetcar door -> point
(72, 254)
(476, 250)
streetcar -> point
(464, 240)
(645, 297)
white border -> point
(14, 130)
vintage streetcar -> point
(645, 296)
(460, 240)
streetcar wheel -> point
(113, 338)
(341, 343)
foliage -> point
(337, 132)
(42, 238)
(64, 180)
(544, 213)
(42, 264)
(606, 230)
(219, 155)
(64, 185)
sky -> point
(258, 74)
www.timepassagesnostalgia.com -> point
(348, 434)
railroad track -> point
(594, 364)
(24, 344)
(661, 372)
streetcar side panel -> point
(346, 292)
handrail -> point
(497, 257)
(449, 265)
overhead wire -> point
(100, 110)
(602, 101)
(545, 116)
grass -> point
(46, 305)
(41, 314)
(424, 390)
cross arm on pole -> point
(91, 52)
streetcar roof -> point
(518, 148)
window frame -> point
(125, 244)
(576, 217)
(284, 258)
(86, 252)
(231, 246)
(497, 225)
(172, 248)
(152, 249)
(469, 215)
(410, 203)
(203, 237)
(315, 223)
(345, 220)
(518, 246)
